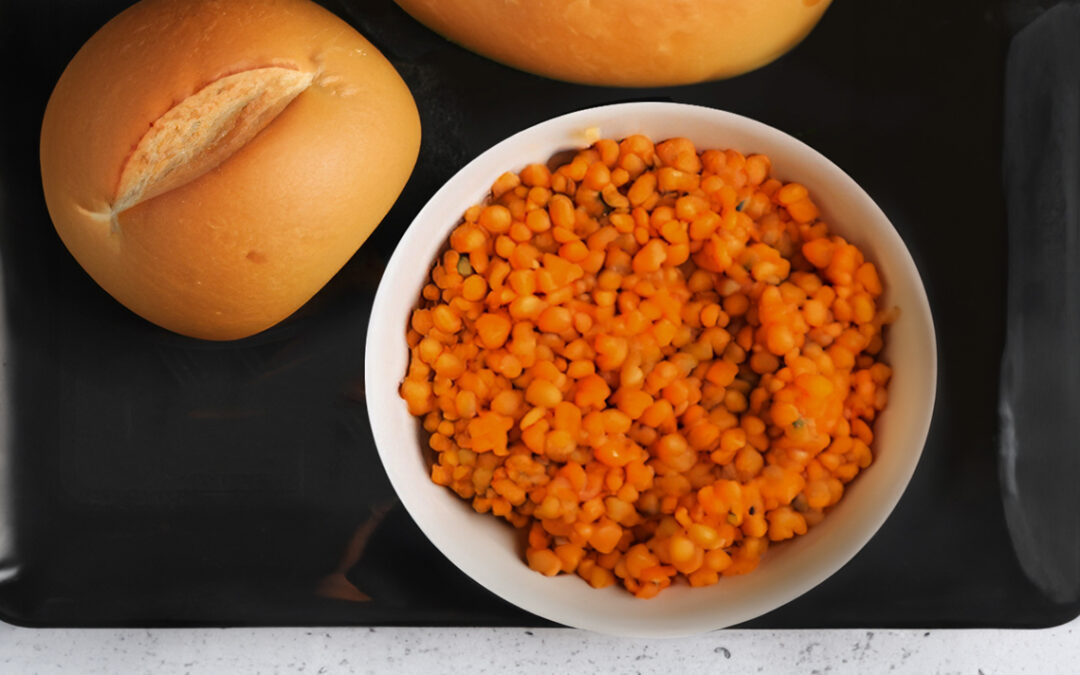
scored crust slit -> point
(203, 130)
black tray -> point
(156, 480)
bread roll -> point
(213, 163)
(629, 43)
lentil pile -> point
(655, 361)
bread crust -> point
(630, 43)
(294, 175)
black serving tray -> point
(150, 479)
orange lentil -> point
(495, 219)
(655, 359)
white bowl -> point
(485, 547)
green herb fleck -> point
(798, 424)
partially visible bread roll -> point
(213, 163)
(629, 43)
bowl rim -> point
(378, 408)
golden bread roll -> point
(628, 43)
(213, 163)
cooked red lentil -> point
(654, 360)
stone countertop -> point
(475, 651)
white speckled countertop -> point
(544, 651)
